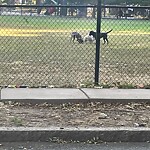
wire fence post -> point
(97, 56)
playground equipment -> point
(51, 10)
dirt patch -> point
(75, 115)
(35, 32)
(29, 32)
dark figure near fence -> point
(120, 14)
(71, 11)
(50, 11)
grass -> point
(37, 51)
(53, 23)
(17, 122)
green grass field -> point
(37, 51)
(58, 23)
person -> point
(120, 14)
(50, 10)
(71, 11)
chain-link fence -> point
(38, 47)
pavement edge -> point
(92, 135)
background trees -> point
(128, 2)
(107, 2)
(113, 2)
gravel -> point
(75, 115)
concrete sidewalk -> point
(65, 95)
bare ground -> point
(75, 115)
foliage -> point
(17, 121)
(128, 2)
(112, 2)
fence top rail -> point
(37, 6)
(69, 6)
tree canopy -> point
(113, 2)
(128, 2)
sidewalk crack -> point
(84, 93)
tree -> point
(113, 2)
(128, 2)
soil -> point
(75, 115)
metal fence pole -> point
(97, 56)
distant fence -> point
(37, 48)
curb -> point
(75, 101)
(90, 135)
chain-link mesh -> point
(37, 47)
(126, 59)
